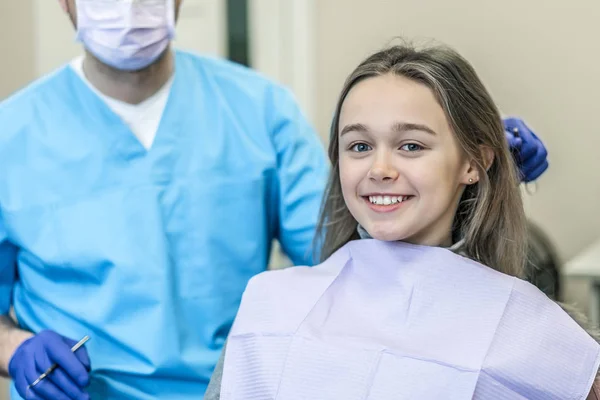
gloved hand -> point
(529, 152)
(37, 354)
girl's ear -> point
(471, 173)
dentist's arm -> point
(302, 173)
(24, 356)
(10, 336)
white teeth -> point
(386, 200)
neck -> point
(131, 87)
(442, 241)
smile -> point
(387, 200)
(385, 204)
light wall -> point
(538, 58)
(16, 45)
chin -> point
(386, 235)
(387, 238)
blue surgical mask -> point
(126, 34)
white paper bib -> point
(393, 321)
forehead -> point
(387, 99)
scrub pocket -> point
(218, 229)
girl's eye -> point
(360, 147)
(411, 147)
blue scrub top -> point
(149, 251)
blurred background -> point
(539, 59)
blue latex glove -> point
(529, 152)
(37, 354)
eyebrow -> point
(398, 127)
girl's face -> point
(401, 169)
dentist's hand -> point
(35, 355)
(528, 150)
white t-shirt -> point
(143, 119)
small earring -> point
(470, 180)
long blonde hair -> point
(490, 218)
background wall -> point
(16, 45)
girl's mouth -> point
(385, 203)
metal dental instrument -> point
(54, 366)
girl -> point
(418, 295)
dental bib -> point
(389, 320)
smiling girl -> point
(419, 295)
